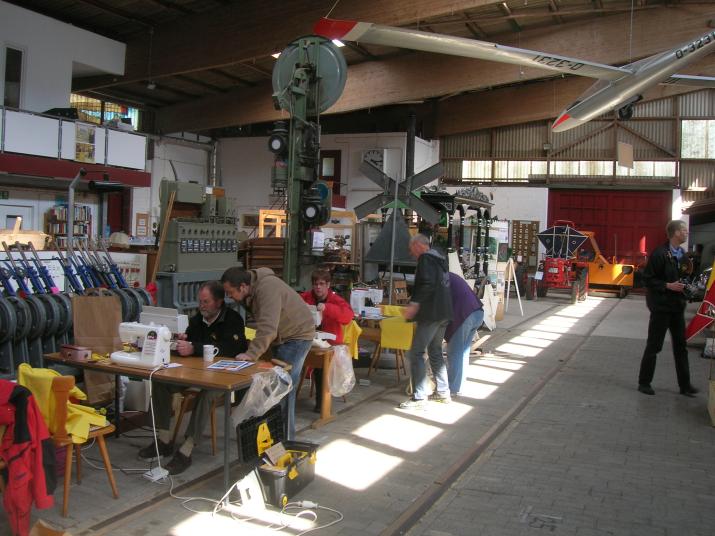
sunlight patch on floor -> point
(531, 341)
(518, 349)
(547, 335)
(338, 462)
(476, 390)
(398, 432)
(487, 374)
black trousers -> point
(657, 326)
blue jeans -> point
(428, 335)
(458, 349)
(294, 353)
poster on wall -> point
(84, 143)
(498, 235)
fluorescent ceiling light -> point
(338, 43)
(276, 55)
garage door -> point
(627, 224)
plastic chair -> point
(61, 387)
(395, 334)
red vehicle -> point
(560, 269)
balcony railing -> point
(38, 134)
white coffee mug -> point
(210, 351)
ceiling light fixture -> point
(276, 55)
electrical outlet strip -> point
(156, 474)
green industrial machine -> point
(201, 235)
(308, 78)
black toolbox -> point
(292, 473)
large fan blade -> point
(376, 34)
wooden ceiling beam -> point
(256, 68)
(118, 12)
(232, 77)
(242, 31)
(200, 83)
(166, 4)
(421, 76)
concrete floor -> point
(550, 436)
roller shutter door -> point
(627, 224)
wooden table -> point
(192, 373)
(321, 358)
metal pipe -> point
(213, 164)
(70, 206)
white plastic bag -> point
(709, 350)
(266, 390)
(342, 376)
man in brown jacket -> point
(282, 320)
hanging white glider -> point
(618, 88)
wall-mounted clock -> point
(375, 157)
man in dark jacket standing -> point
(666, 302)
(431, 308)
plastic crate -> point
(279, 485)
(247, 432)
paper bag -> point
(96, 322)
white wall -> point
(39, 202)
(245, 170)
(190, 161)
(245, 165)
(49, 50)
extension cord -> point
(156, 474)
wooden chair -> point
(188, 402)
(61, 386)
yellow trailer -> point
(605, 275)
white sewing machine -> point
(152, 343)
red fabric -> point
(705, 315)
(26, 473)
(337, 313)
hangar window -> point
(646, 168)
(697, 139)
(477, 169)
(518, 170)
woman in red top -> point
(335, 311)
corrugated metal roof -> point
(654, 140)
(472, 146)
(656, 108)
(521, 141)
(696, 104)
(697, 175)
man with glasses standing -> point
(666, 302)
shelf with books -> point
(57, 224)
